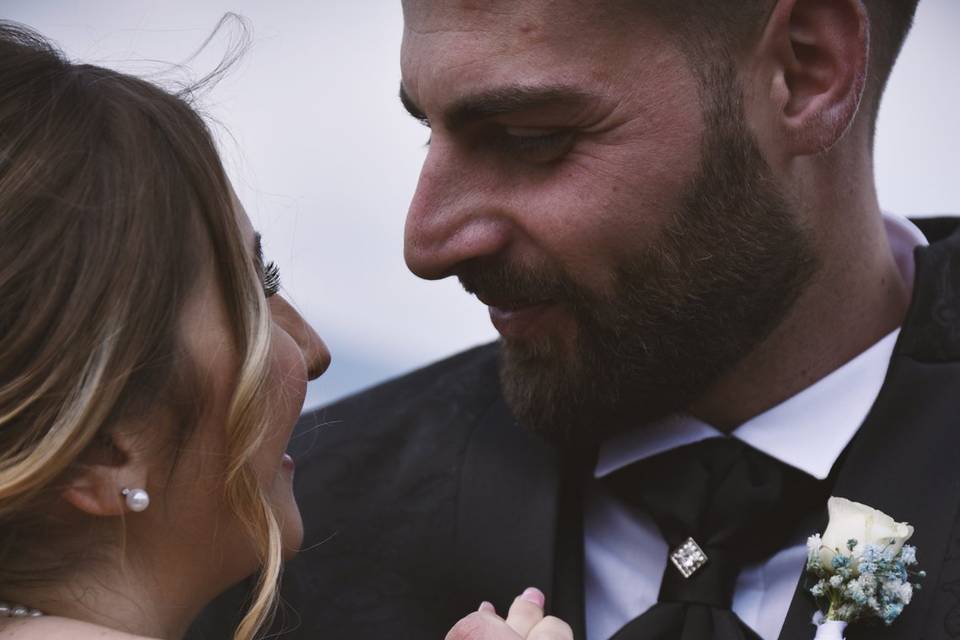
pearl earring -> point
(137, 499)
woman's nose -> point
(315, 352)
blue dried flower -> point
(840, 562)
(891, 611)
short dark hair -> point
(890, 22)
(710, 28)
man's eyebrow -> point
(500, 101)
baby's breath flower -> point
(856, 593)
(905, 593)
(820, 589)
(908, 555)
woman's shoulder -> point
(54, 628)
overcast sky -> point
(325, 159)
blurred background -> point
(325, 158)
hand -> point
(525, 621)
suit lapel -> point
(508, 512)
(904, 458)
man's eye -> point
(536, 145)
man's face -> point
(605, 201)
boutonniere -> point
(862, 567)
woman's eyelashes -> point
(271, 279)
(269, 272)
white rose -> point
(855, 521)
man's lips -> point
(492, 300)
(521, 320)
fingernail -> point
(486, 607)
(535, 596)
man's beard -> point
(724, 272)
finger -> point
(526, 611)
(551, 628)
(482, 625)
(487, 607)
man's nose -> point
(454, 216)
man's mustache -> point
(505, 285)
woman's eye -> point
(537, 145)
(271, 279)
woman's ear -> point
(114, 461)
(815, 55)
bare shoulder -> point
(53, 628)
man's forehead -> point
(451, 12)
(457, 47)
(431, 16)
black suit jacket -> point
(422, 496)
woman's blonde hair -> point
(111, 190)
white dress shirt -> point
(624, 553)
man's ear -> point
(817, 53)
(114, 461)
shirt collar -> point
(808, 431)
